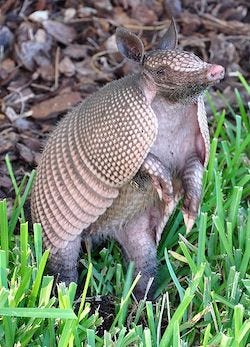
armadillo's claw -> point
(188, 220)
(159, 192)
(164, 191)
(169, 206)
(157, 186)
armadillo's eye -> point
(160, 71)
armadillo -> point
(119, 162)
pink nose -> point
(215, 72)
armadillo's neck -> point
(182, 95)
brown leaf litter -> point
(53, 55)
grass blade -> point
(4, 232)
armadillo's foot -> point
(192, 184)
(61, 274)
(161, 178)
(145, 288)
(71, 275)
(63, 263)
(188, 220)
(190, 210)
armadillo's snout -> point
(215, 73)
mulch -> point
(53, 54)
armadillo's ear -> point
(170, 38)
(129, 44)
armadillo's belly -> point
(67, 197)
(134, 198)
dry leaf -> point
(30, 46)
(39, 16)
(25, 153)
(76, 51)
(6, 40)
(67, 67)
(61, 32)
(144, 14)
(51, 107)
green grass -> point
(204, 277)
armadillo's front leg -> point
(192, 185)
(161, 178)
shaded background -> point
(55, 53)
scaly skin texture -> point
(117, 165)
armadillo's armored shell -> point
(117, 129)
(96, 149)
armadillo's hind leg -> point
(192, 184)
(63, 263)
(138, 242)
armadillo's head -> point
(177, 74)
